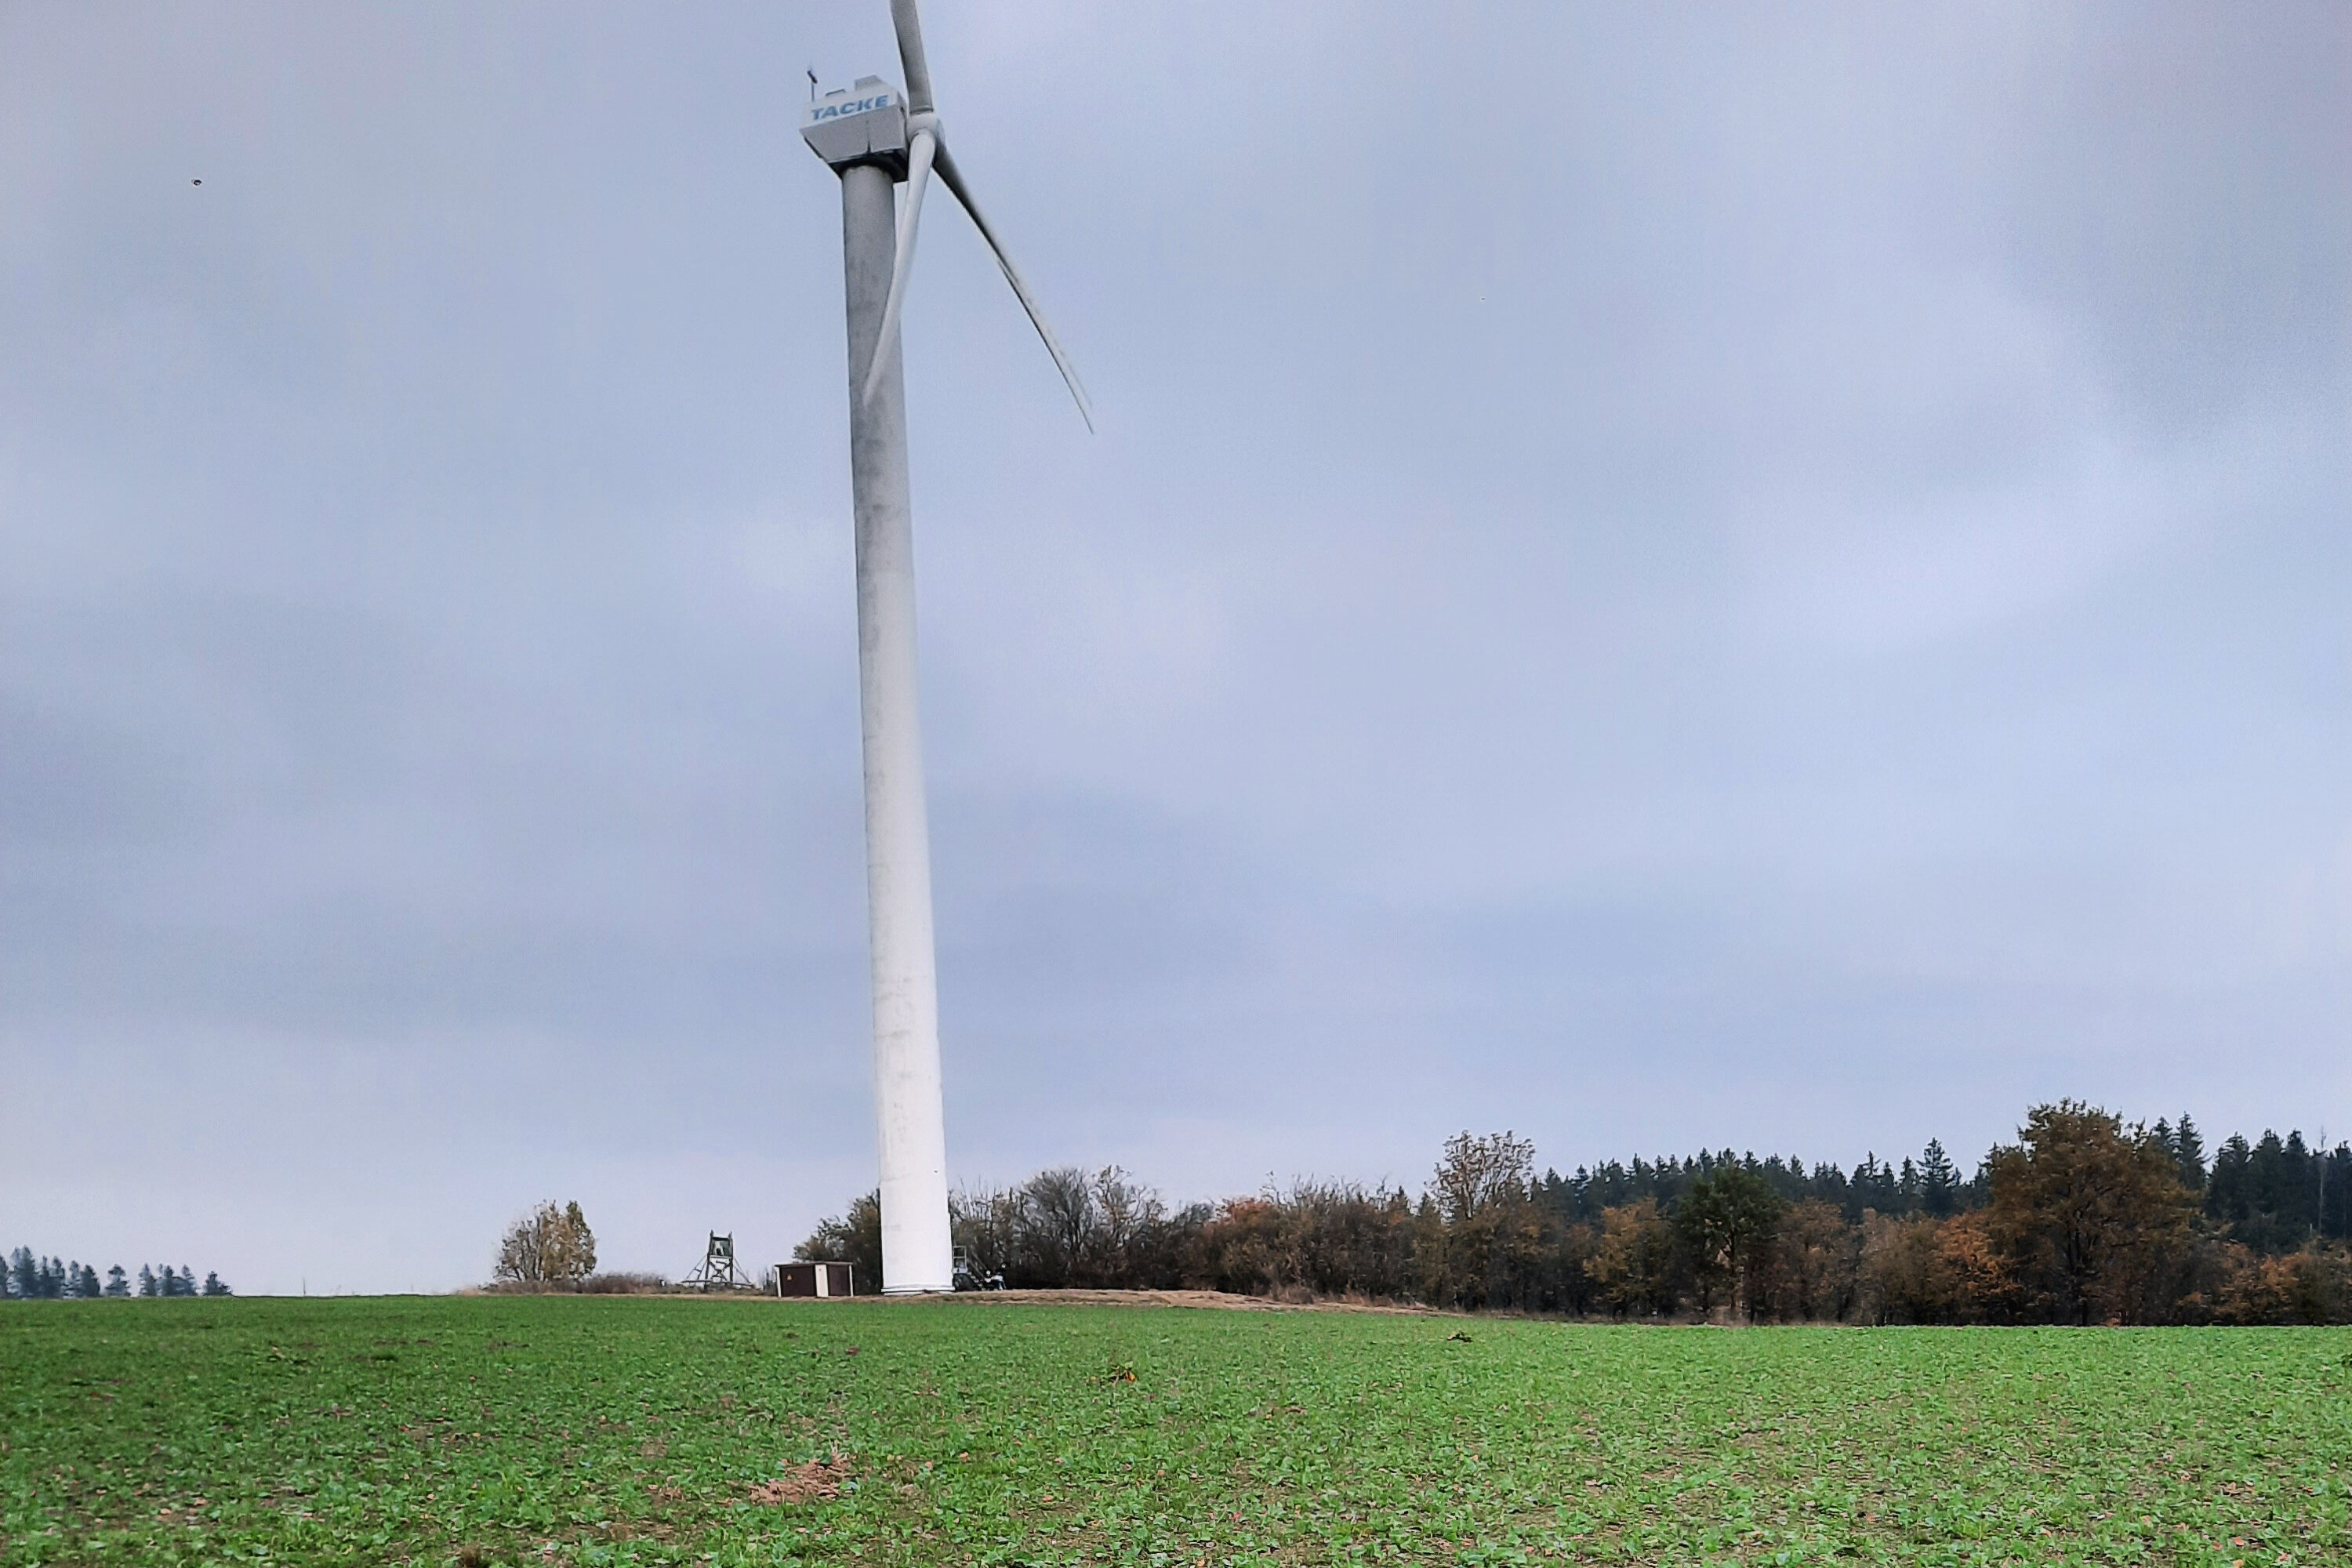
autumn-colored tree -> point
(2313, 1286)
(1981, 1276)
(1901, 1276)
(1323, 1238)
(1342, 1240)
(546, 1246)
(2091, 1216)
(1633, 1261)
(1244, 1249)
(1809, 1273)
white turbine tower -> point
(873, 137)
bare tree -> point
(1060, 1218)
(1126, 1212)
(987, 1223)
(548, 1246)
(1477, 1173)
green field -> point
(636, 1430)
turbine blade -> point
(910, 55)
(918, 173)
(952, 178)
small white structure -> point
(815, 1280)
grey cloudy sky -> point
(1652, 576)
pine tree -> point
(1976, 1192)
(23, 1276)
(1939, 1180)
(2229, 1192)
(1874, 1186)
(2188, 1153)
(116, 1282)
(1726, 1223)
(212, 1286)
(2297, 1203)
(147, 1286)
(2335, 1200)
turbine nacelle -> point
(864, 123)
(870, 121)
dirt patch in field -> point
(817, 1480)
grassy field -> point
(639, 1430)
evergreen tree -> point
(1725, 1224)
(2228, 1191)
(1612, 1186)
(2267, 1193)
(2297, 1203)
(1831, 1186)
(1940, 1181)
(1978, 1192)
(2188, 1153)
(2273, 1175)
(147, 1286)
(1876, 1186)
(1797, 1188)
(212, 1286)
(2336, 1193)
(23, 1274)
(116, 1282)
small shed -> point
(814, 1279)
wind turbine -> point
(873, 137)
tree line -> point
(31, 1278)
(2083, 1219)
